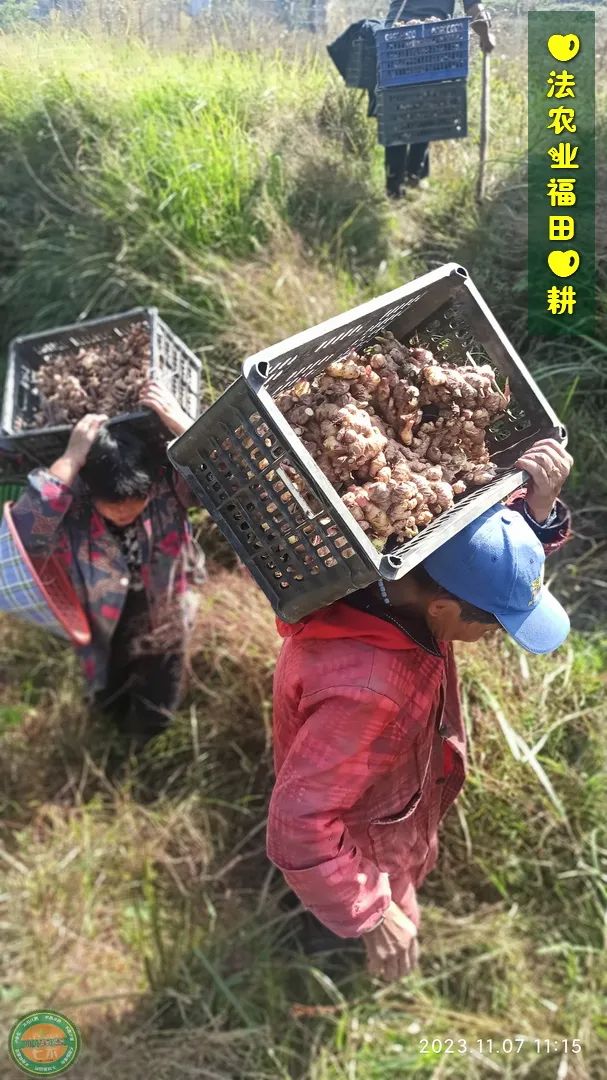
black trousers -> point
(142, 689)
(405, 161)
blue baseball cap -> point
(497, 564)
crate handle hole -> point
(394, 561)
(299, 499)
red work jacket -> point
(369, 754)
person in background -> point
(369, 741)
(115, 512)
(408, 165)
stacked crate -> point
(422, 71)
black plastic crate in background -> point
(299, 541)
(422, 52)
(171, 362)
(361, 72)
(425, 112)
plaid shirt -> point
(52, 517)
(369, 752)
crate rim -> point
(254, 375)
(152, 313)
(383, 30)
(102, 320)
(53, 429)
(253, 366)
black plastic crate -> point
(300, 542)
(426, 112)
(422, 52)
(171, 361)
(361, 72)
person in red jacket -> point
(369, 744)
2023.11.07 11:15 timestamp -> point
(515, 1045)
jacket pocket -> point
(392, 837)
(399, 815)
(392, 845)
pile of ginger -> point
(104, 377)
(397, 432)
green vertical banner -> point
(561, 173)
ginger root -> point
(398, 432)
(104, 377)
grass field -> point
(241, 191)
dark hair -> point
(469, 612)
(122, 464)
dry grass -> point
(156, 924)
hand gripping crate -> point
(299, 541)
(424, 113)
(422, 53)
(170, 361)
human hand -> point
(156, 396)
(83, 436)
(481, 24)
(548, 465)
(392, 949)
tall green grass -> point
(129, 176)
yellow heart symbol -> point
(563, 263)
(564, 46)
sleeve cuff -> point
(552, 519)
(51, 489)
(39, 477)
(556, 529)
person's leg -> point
(395, 158)
(155, 691)
(418, 163)
(115, 698)
(114, 701)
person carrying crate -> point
(114, 511)
(369, 743)
(409, 165)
